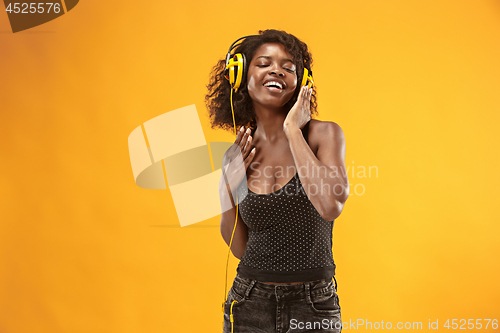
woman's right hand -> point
(237, 159)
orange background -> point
(414, 84)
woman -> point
(295, 186)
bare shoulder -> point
(325, 132)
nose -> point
(276, 70)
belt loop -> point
(250, 288)
(308, 293)
(335, 283)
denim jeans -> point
(265, 308)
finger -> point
(247, 147)
(250, 157)
(245, 138)
(304, 100)
(303, 92)
(308, 99)
(239, 136)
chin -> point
(271, 101)
(275, 106)
(274, 103)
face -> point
(271, 77)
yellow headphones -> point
(236, 69)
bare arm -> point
(324, 176)
(240, 237)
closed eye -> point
(287, 69)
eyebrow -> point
(268, 57)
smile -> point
(273, 86)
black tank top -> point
(288, 240)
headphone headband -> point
(236, 41)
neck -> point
(269, 123)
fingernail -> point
(248, 130)
(242, 128)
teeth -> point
(273, 83)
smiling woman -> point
(281, 229)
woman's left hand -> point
(300, 113)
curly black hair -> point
(217, 99)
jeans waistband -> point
(305, 290)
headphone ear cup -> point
(240, 71)
(236, 70)
(307, 79)
(304, 77)
(243, 71)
